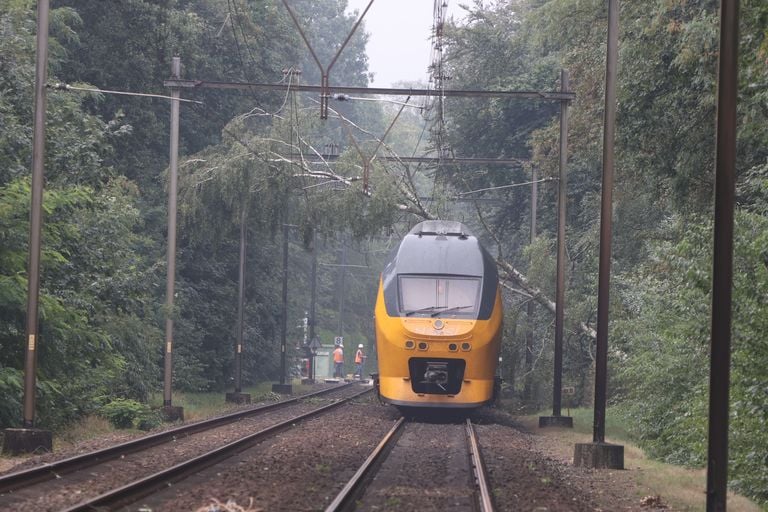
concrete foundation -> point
(238, 398)
(172, 413)
(598, 455)
(555, 421)
(27, 440)
(283, 389)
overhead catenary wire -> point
(230, 5)
(500, 187)
(325, 71)
(224, 24)
(435, 113)
(243, 33)
(61, 86)
(272, 158)
(346, 97)
(294, 121)
(407, 191)
(234, 36)
(288, 74)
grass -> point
(614, 425)
(197, 406)
(683, 488)
(87, 428)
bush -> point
(11, 386)
(125, 413)
(149, 419)
(666, 356)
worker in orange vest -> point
(359, 360)
(338, 361)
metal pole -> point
(325, 72)
(36, 214)
(534, 201)
(606, 212)
(240, 301)
(722, 275)
(527, 391)
(171, 275)
(560, 299)
(283, 332)
(312, 304)
(342, 269)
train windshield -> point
(435, 296)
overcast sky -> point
(400, 45)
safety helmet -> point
(360, 346)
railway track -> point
(360, 492)
(209, 441)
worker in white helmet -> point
(359, 361)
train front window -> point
(436, 295)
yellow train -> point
(438, 320)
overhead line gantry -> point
(388, 91)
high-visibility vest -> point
(358, 356)
(338, 355)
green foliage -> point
(16, 73)
(91, 286)
(76, 142)
(125, 413)
(660, 302)
(666, 352)
(542, 271)
(11, 385)
(103, 253)
(149, 419)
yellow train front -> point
(438, 320)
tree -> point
(94, 271)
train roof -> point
(440, 227)
(439, 247)
(442, 247)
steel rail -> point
(32, 476)
(485, 497)
(138, 489)
(353, 487)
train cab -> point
(438, 320)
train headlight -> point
(466, 347)
(453, 347)
(423, 345)
(409, 344)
